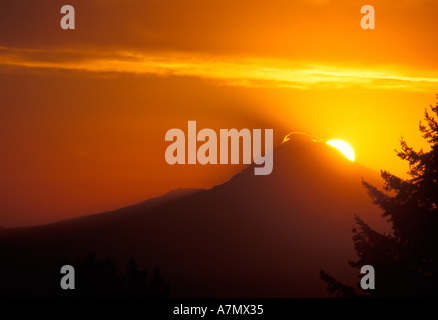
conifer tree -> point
(405, 260)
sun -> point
(344, 147)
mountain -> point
(253, 236)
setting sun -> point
(343, 147)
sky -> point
(84, 112)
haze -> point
(84, 112)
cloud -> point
(249, 72)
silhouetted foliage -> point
(333, 286)
(137, 284)
(405, 260)
(158, 286)
(99, 278)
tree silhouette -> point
(99, 278)
(405, 260)
(159, 288)
(137, 284)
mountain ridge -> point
(252, 236)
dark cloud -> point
(303, 30)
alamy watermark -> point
(207, 153)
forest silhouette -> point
(404, 259)
(99, 278)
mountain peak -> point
(253, 236)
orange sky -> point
(84, 112)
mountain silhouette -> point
(253, 236)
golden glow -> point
(242, 72)
(343, 147)
(314, 138)
(84, 113)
